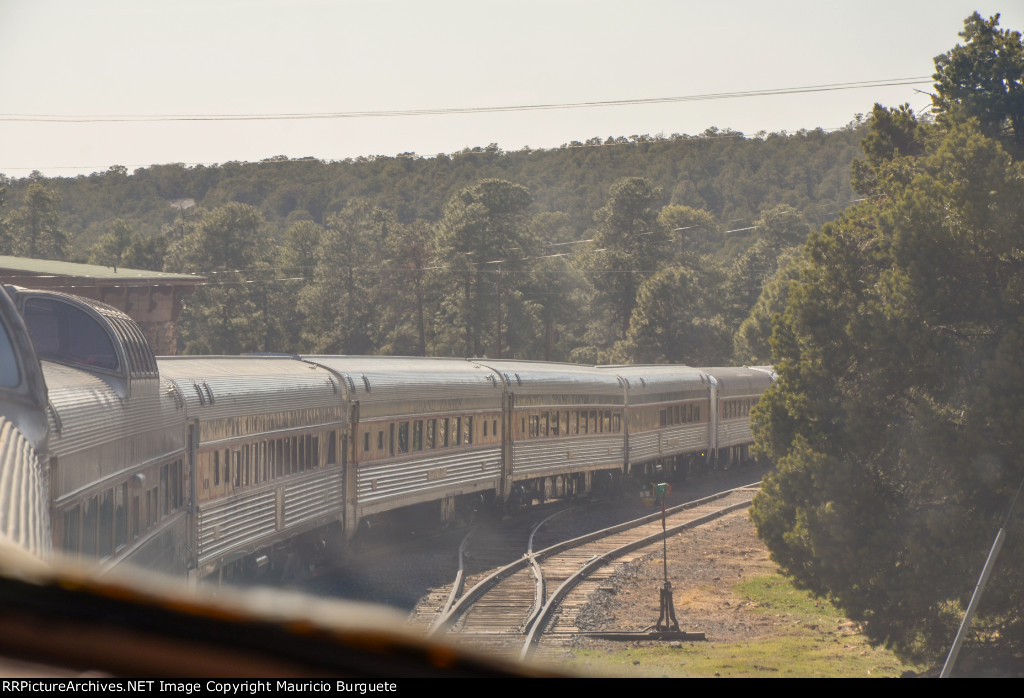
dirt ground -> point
(703, 566)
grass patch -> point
(803, 636)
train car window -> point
(106, 537)
(120, 515)
(9, 374)
(617, 424)
(417, 435)
(90, 520)
(72, 529)
(606, 423)
(485, 428)
(65, 333)
(432, 433)
(179, 484)
(166, 489)
(494, 427)
(443, 438)
(403, 437)
(366, 442)
(391, 439)
(380, 440)
(332, 448)
(457, 431)
(135, 518)
(469, 430)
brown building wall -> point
(156, 307)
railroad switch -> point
(668, 608)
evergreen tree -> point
(485, 248)
(984, 80)
(895, 419)
(629, 247)
(341, 315)
(230, 314)
(34, 227)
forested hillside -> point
(638, 248)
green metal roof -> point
(48, 267)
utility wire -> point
(121, 118)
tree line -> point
(638, 249)
(488, 279)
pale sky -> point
(143, 58)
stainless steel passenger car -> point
(269, 438)
(561, 420)
(116, 447)
(734, 391)
(667, 413)
(24, 477)
(423, 429)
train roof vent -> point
(507, 379)
(141, 362)
(199, 392)
(179, 402)
(366, 382)
(58, 424)
(643, 382)
(334, 385)
(209, 392)
(518, 379)
(494, 379)
(351, 384)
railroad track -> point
(533, 600)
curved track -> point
(508, 610)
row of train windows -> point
(251, 464)
(234, 427)
(732, 409)
(679, 414)
(100, 525)
(429, 434)
(570, 423)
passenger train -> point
(214, 467)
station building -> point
(153, 299)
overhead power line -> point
(114, 118)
